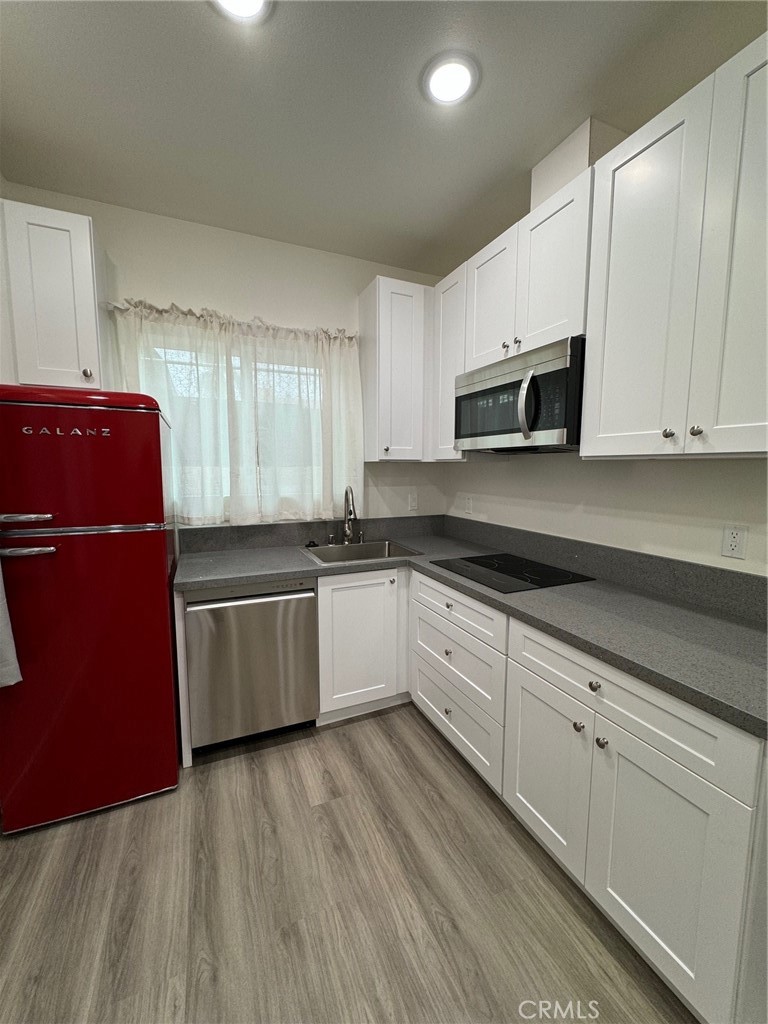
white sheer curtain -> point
(267, 421)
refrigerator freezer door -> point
(82, 466)
(92, 723)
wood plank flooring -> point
(357, 873)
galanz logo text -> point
(74, 432)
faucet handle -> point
(360, 538)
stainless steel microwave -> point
(529, 402)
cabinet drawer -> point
(485, 623)
(717, 751)
(474, 734)
(472, 666)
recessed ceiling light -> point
(450, 78)
(246, 11)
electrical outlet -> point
(413, 501)
(735, 541)
(468, 506)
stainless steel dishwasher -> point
(252, 660)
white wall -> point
(389, 485)
(165, 260)
(674, 508)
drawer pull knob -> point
(386, 447)
(391, 579)
(667, 432)
(696, 430)
(448, 652)
(87, 373)
(449, 605)
(578, 726)
(448, 712)
(602, 742)
(594, 685)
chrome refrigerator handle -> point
(25, 552)
(25, 517)
(523, 394)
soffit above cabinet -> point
(311, 128)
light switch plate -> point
(413, 501)
(468, 506)
(735, 541)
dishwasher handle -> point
(240, 602)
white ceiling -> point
(311, 128)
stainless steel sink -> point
(370, 551)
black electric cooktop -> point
(509, 574)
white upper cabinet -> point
(552, 260)
(392, 367)
(646, 241)
(491, 288)
(54, 313)
(447, 360)
(728, 380)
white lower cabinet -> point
(547, 764)
(358, 623)
(644, 813)
(474, 734)
(648, 802)
(667, 860)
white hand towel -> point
(9, 665)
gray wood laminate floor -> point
(358, 873)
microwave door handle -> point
(521, 397)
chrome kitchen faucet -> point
(349, 514)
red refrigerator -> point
(86, 558)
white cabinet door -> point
(552, 259)
(667, 860)
(491, 287)
(646, 239)
(392, 369)
(547, 764)
(53, 296)
(357, 618)
(448, 359)
(728, 382)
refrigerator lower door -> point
(92, 722)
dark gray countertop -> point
(713, 663)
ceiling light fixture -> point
(450, 78)
(245, 11)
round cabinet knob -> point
(449, 605)
(391, 579)
(518, 341)
(601, 741)
(448, 652)
(448, 712)
(578, 726)
(505, 345)
(594, 685)
(696, 430)
(667, 432)
(87, 373)
(386, 447)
